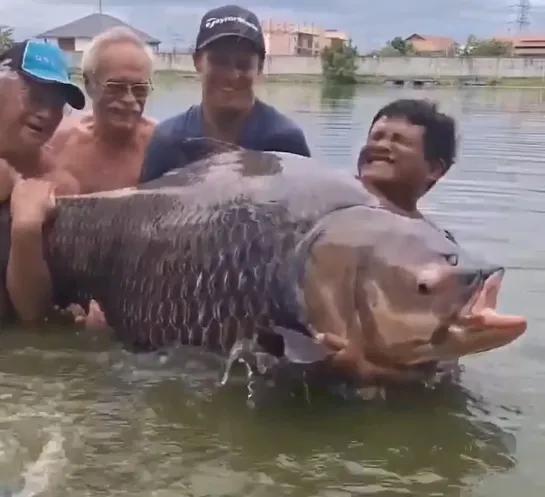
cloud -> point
(370, 24)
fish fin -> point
(186, 152)
(300, 348)
(196, 149)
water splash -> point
(42, 473)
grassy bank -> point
(521, 82)
(172, 77)
(466, 82)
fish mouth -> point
(478, 327)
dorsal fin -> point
(195, 149)
(188, 151)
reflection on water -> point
(78, 418)
(334, 96)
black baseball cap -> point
(230, 20)
(44, 63)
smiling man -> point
(104, 148)
(229, 57)
(34, 89)
(35, 86)
(100, 150)
(410, 147)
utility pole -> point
(100, 6)
(523, 14)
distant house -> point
(432, 46)
(284, 38)
(525, 46)
(76, 35)
(335, 38)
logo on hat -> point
(213, 21)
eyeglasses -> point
(118, 89)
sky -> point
(369, 23)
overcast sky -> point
(369, 23)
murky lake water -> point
(92, 421)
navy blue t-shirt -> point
(265, 130)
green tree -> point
(6, 38)
(389, 51)
(340, 63)
(403, 47)
(486, 47)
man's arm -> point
(28, 280)
(291, 140)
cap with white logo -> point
(230, 20)
(46, 64)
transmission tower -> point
(523, 14)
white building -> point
(76, 35)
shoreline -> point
(362, 80)
(171, 75)
(464, 72)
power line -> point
(523, 8)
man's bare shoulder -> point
(147, 126)
(71, 127)
(75, 121)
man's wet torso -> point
(98, 165)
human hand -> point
(75, 314)
(94, 320)
(32, 203)
(365, 372)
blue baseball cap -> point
(43, 63)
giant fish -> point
(258, 256)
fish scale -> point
(215, 282)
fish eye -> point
(452, 259)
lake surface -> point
(79, 417)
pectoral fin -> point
(302, 349)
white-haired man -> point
(102, 149)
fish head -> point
(421, 297)
(401, 292)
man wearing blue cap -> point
(34, 88)
(44, 88)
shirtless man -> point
(34, 88)
(104, 149)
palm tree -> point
(6, 37)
